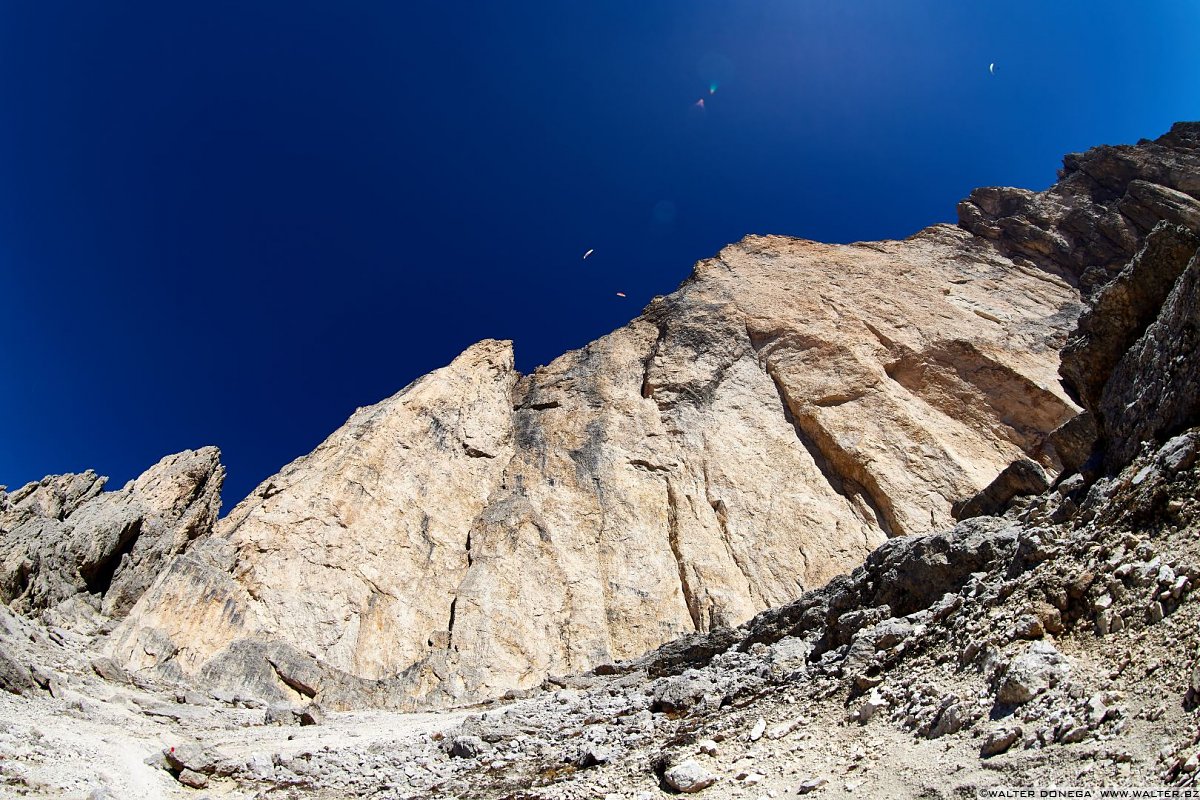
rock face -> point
(1132, 358)
(63, 538)
(1123, 309)
(1122, 223)
(1094, 219)
(1153, 389)
(752, 435)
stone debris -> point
(998, 741)
(689, 777)
(783, 729)
(811, 785)
(193, 779)
(465, 747)
(869, 707)
(1039, 668)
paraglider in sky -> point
(992, 68)
(588, 253)
(700, 104)
(620, 294)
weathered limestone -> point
(1122, 310)
(355, 551)
(756, 433)
(750, 436)
(1152, 393)
(63, 538)
(1096, 217)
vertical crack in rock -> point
(647, 391)
(689, 596)
(721, 512)
(454, 599)
(450, 624)
(499, 484)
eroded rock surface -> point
(754, 434)
(1090, 223)
(1122, 310)
(1153, 390)
(1052, 645)
(67, 546)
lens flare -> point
(664, 212)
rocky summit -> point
(751, 436)
(79, 556)
(906, 517)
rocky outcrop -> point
(1152, 393)
(64, 541)
(1132, 359)
(1021, 477)
(789, 406)
(1120, 313)
(1097, 215)
(754, 434)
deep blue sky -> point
(232, 223)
